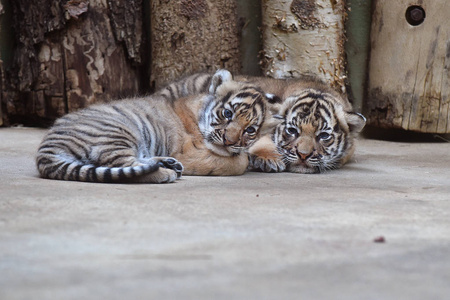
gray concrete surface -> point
(257, 236)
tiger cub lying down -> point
(154, 139)
(317, 129)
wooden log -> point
(24, 86)
(190, 36)
(71, 54)
(409, 79)
(304, 37)
(96, 64)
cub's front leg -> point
(265, 157)
(199, 160)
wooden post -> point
(304, 37)
(189, 36)
(409, 79)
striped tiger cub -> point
(317, 130)
(155, 139)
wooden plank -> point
(408, 70)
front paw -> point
(172, 164)
(269, 165)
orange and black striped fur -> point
(317, 129)
(155, 139)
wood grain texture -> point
(409, 80)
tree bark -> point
(304, 37)
(409, 79)
(190, 36)
(70, 54)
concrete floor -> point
(257, 236)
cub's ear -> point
(274, 106)
(218, 79)
(273, 98)
(355, 121)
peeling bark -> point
(126, 19)
(191, 36)
(304, 38)
(67, 57)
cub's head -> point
(235, 114)
(316, 133)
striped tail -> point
(77, 171)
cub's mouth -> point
(303, 167)
(296, 164)
(234, 150)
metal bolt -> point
(416, 14)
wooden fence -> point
(390, 57)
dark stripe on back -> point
(205, 86)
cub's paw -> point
(172, 164)
(269, 165)
(161, 175)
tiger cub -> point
(154, 139)
(317, 130)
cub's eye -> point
(324, 136)
(227, 114)
(250, 130)
(291, 130)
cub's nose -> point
(304, 154)
(229, 141)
